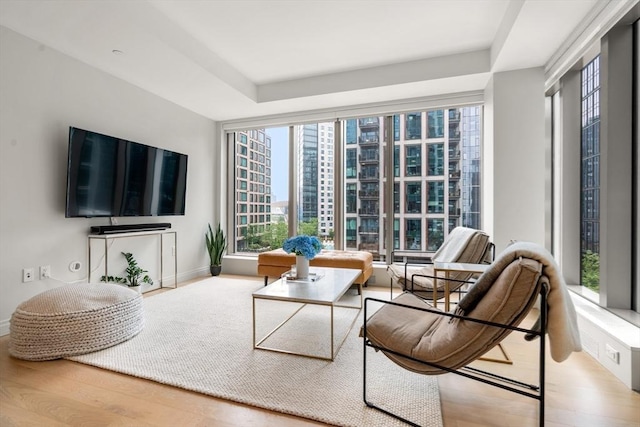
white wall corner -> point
(516, 132)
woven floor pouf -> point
(75, 319)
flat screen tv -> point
(113, 177)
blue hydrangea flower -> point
(307, 246)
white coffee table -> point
(325, 292)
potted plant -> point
(135, 276)
(216, 245)
(305, 248)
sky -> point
(279, 162)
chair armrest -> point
(429, 276)
(427, 256)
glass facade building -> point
(436, 172)
(436, 175)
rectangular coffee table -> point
(325, 292)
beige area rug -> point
(199, 337)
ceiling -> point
(231, 59)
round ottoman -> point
(75, 319)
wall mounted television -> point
(113, 177)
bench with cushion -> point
(274, 263)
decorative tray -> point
(291, 277)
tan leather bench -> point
(274, 263)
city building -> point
(253, 187)
(315, 145)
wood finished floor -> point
(580, 392)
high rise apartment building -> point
(436, 175)
(253, 186)
(315, 144)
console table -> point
(162, 234)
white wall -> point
(42, 93)
(515, 135)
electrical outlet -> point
(45, 272)
(612, 353)
(27, 275)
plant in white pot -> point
(216, 245)
(305, 248)
(135, 275)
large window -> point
(590, 176)
(315, 206)
(595, 184)
(429, 178)
(254, 226)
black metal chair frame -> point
(428, 261)
(536, 391)
(428, 298)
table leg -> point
(446, 290)
(435, 288)
(254, 322)
(332, 355)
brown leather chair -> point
(425, 340)
(463, 245)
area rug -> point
(200, 337)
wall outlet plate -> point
(27, 275)
(612, 353)
(45, 272)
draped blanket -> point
(562, 325)
(455, 244)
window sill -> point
(592, 298)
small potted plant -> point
(135, 276)
(216, 245)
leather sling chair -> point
(428, 341)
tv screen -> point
(112, 177)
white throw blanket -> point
(562, 326)
(455, 244)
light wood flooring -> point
(580, 392)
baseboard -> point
(4, 327)
(168, 283)
(611, 340)
(190, 275)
